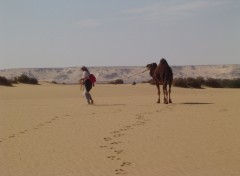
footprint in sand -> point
(113, 158)
(139, 118)
(107, 139)
(40, 125)
(111, 148)
(123, 129)
(103, 146)
(114, 132)
(118, 151)
(33, 128)
(139, 123)
(12, 136)
(120, 172)
(126, 128)
(115, 143)
(126, 164)
(118, 135)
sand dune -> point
(49, 130)
(128, 73)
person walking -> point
(87, 84)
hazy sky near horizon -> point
(66, 33)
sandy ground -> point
(49, 130)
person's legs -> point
(86, 93)
(88, 86)
(89, 97)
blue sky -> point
(65, 33)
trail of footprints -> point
(37, 127)
(114, 141)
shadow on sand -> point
(195, 103)
(109, 104)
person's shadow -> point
(109, 104)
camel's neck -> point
(152, 72)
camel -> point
(162, 75)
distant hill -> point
(129, 74)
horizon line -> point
(108, 66)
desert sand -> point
(49, 130)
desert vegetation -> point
(26, 79)
(5, 82)
(20, 79)
(189, 82)
(117, 81)
(199, 82)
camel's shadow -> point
(195, 103)
(109, 104)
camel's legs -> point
(165, 93)
(170, 101)
(158, 87)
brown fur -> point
(162, 75)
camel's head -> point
(151, 66)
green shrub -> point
(201, 80)
(223, 83)
(215, 83)
(209, 82)
(180, 82)
(27, 80)
(117, 81)
(194, 83)
(14, 80)
(4, 81)
(236, 83)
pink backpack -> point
(92, 78)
